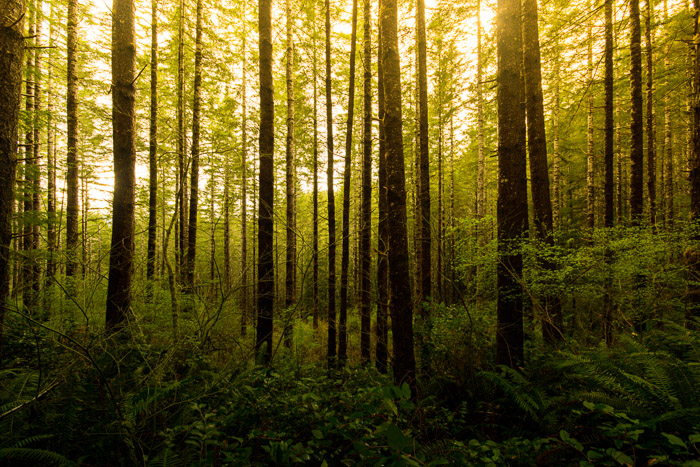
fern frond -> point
(36, 456)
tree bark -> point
(291, 263)
(11, 58)
(637, 118)
(153, 151)
(609, 123)
(123, 121)
(381, 347)
(181, 228)
(194, 180)
(266, 271)
(668, 135)
(512, 184)
(590, 149)
(424, 293)
(481, 160)
(651, 133)
(366, 207)
(331, 352)
(244, 185)
(556, 176)
(345, 255)
(404, 363)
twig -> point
(39, 396)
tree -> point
(609, 103)
(636, 121)
(345, 259)
(381, 349)
(537, 149)
(11, 58)
(400, 299)
(651, 137)
(181, 247)
(331, 351)
(153, 148)
(423, 166)
(314, 247)
(194, 180)
(123, 134)
(244, 184)
(290, 281)
(481, 160)
(366, 206)
(266, 266)
(590, 148)
(512, 184)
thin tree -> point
(153, 150)
(537, 148)
(51, 228)
(291, 263)
(26, 238)
(404, 363)
(556, 176)
(331, 351)
(123, 134)
(609, 123)
(481, 160)
(194, 176)
(266, 271)
(381, 348)
(590, 147)
(181, 227)
(366, 206)
(345, 255)
(668, 135)
(650, 117)
(637, 118)
(314, 247)
(11, 58)
(424, 249)
(244, 183)
(512, 184)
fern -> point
(35, 456)
(520, 392)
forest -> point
(377, 232)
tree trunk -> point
(123, 121)
(266, 266)
(556, 192)
(537, 147)
(345, 255)
(609, 123)
(637, 118)
(481, 161)
(314, 279)
(382, 347)
(404, 363)
(290, 280)
(590, 155)
(424, 293)
(331, 198)
(51, 230)
(668, 135)
(366, 207)
(11, 58)
(651, 136)
(244, 186)
(194, 180)
(512, 184)
(181, 228)
(153, 151)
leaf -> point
(391, 405)
(620, 457)
(317, 434)
(675, 440)
(395, 437)
(694, 438)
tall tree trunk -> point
(537, 147)
(424, 292)
(266, 266)
(637, 118)
(345, 255)
(331, 198)
(181, 227)
(26, 275)
(366, 207)
(244, 186)
(556, 192)
(694, 161)
(290, 279)
(194, 180)
(668, 135)
(11, 58)
(51, 230)
(123, 121)
(651, 136)
(382, 347)
(314, 279)
(609, 159)
(404, 363)
(590, 149)
(34, 174)
(512, 184)
(481, 161)
(153, 151)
